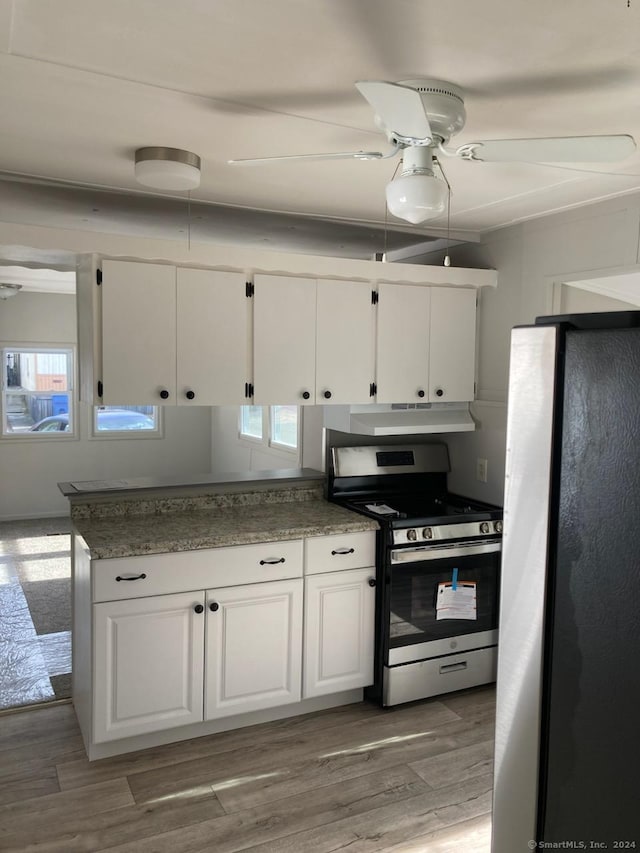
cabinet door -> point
(138, 333)
(212, 332)
(254, 642)
(339, 613)
(403, 344)
(148, 665)
(344, 342)
(284, 339)
(452, 344)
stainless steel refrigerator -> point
(567, 773)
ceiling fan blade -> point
(399, 107)
(337, 155)
(561, 149)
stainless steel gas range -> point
(438, 569)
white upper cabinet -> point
(138, 333)
(403, 343)
(452, 344)
(344, 342)
(284, 340)
(157, 334)
(212, 337)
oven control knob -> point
(427, 533)
(498, 527)
(412, 535)
(484, 527)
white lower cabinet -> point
(339, 629)
(148, 664)
(164, 658)
(253, 647)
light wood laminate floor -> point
(359, 779)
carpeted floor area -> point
(35, 611)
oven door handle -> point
(440, 552)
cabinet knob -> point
(190, 395)
(327, 395)
(198, 608)
(371, 581)
(305, 395)
(439, 392)
(420, 393)
(164, 394)
(214, 606)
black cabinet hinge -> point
(249, 289)
(98, 277)
(100, 388)
(373, 389)
(248, 390)
(374, 297)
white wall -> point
(533, 258)
(29, 471)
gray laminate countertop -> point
(133, 535)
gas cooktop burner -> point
(410, 508)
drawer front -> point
(440, 675)
(160, 574)
(340, 552)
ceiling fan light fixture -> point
(417, 197)
(167, 168)
(9, 290)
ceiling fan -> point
(419, 117)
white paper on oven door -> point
(458, 602)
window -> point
(126, 422)
(284, 426)
(37, 392)
(251, 422)
(276, 426)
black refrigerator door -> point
(590, 736)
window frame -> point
(266, 440)
(119, 434)
(70, 350)
(278, 445)
(246, 436)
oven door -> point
(414, 630)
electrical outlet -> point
(481, 470)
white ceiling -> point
(86, 82)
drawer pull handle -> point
(271, 562)
(131, 577)
(343, 551)
(453, 667)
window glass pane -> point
(284, 425)
(37, 394)
(125, 419)
(251, 421)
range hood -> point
(400, 419)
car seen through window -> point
(107, 420)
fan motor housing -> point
(443, 104)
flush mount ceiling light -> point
(9, 290)
(167, 168)
(417, 194)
